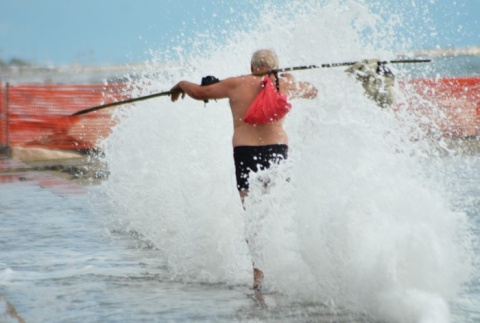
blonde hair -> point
(264, 58)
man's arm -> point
(296, 89)
(220, 90)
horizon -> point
(428, 53)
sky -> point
(102, 32)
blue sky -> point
(100, 32)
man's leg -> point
(257, 278)
(257, 273)
(243, 195)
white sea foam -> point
(358, 223)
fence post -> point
(7, 122)
(2, 117)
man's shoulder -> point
(240, 78)
(236, 81)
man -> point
(258, 135)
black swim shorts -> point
(255, 158)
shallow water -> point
(60, 264)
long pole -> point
(103, 106)
(287, 69)
(307, 67)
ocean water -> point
(447, 66)
(371, 226)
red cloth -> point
(270, 105)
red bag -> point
(270, 105)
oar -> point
(287, 69)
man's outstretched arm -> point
(220, 90)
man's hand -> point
(295, 89)
(176, 91)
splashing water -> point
(358, 223)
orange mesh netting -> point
(447, 106)
(40, 115)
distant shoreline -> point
(433, 52)
(90, 74)
(445, 52)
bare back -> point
(241, 92)
(241, 97)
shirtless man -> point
(257, 144)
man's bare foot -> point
(257, 279)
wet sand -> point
(83, 169)
(90, 168)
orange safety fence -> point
(40, 115)
(449, 106)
